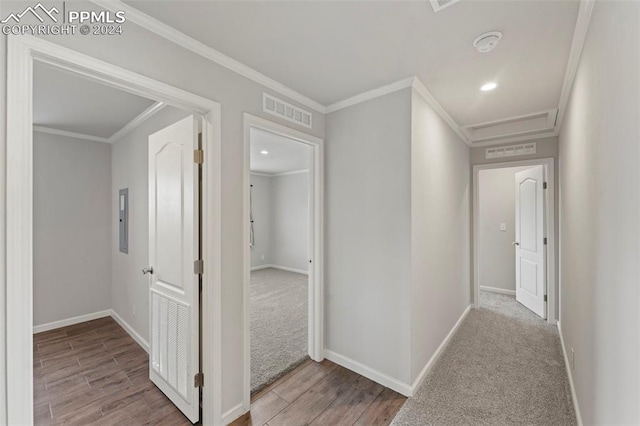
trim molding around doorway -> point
(550, 228)
(22, 52)
(316, 241)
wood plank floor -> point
(322, 394)
(95, 373)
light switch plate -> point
(503, 226)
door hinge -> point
(198, 267)
(198, 156)
(545, 297)
(545, 241)
(544, 185)
(198, 380)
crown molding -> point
(159, 28)
(163, 30)
(521, 138)
(370, 94)
(405, 83)
(515, 134)
(157, 106)
(51, 131)
(419, 87)
(293, 172)
(259, 174)
(577, 44)
(147, 113)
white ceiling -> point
(330, 51)
(284, 155)
(71, 103)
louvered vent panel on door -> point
(285, 110)
(170, 342)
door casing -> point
(18, 309)
(549, 173)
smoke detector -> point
(488, 41)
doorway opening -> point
(514, 236)
(91, 216)
(279, 244)
(283, 252)
(75, 165)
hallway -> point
(503, 366)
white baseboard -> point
(134, 334)
(70, 321)
(390, 382)
(574, 396)
(498, 290)
(257, 268)
(283, 268)
(88, 317)
(418, 381)
(286, 268)
(368, 372)
(233, 414)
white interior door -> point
(173, 248)
(531, 268)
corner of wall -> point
(440, 214)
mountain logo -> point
(34, 11)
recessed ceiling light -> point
(264, 152)
(488, 86)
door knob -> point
(148, 270)
(515, 243)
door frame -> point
(18, 309)
(316, 240)
(550, 227)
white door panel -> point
(173, 248)
(529, 245)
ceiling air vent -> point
(511, 150)
(438, 5)
(285, 110)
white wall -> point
(398, 233)
(71, 226)
(497, 204)
(281, 220)
(290, 221)
(368, 227)
(262, 222)
(170, 63)
(130, 165)
(440, 231)
(600, 212)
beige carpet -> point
(504, 366)
(278, 324)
